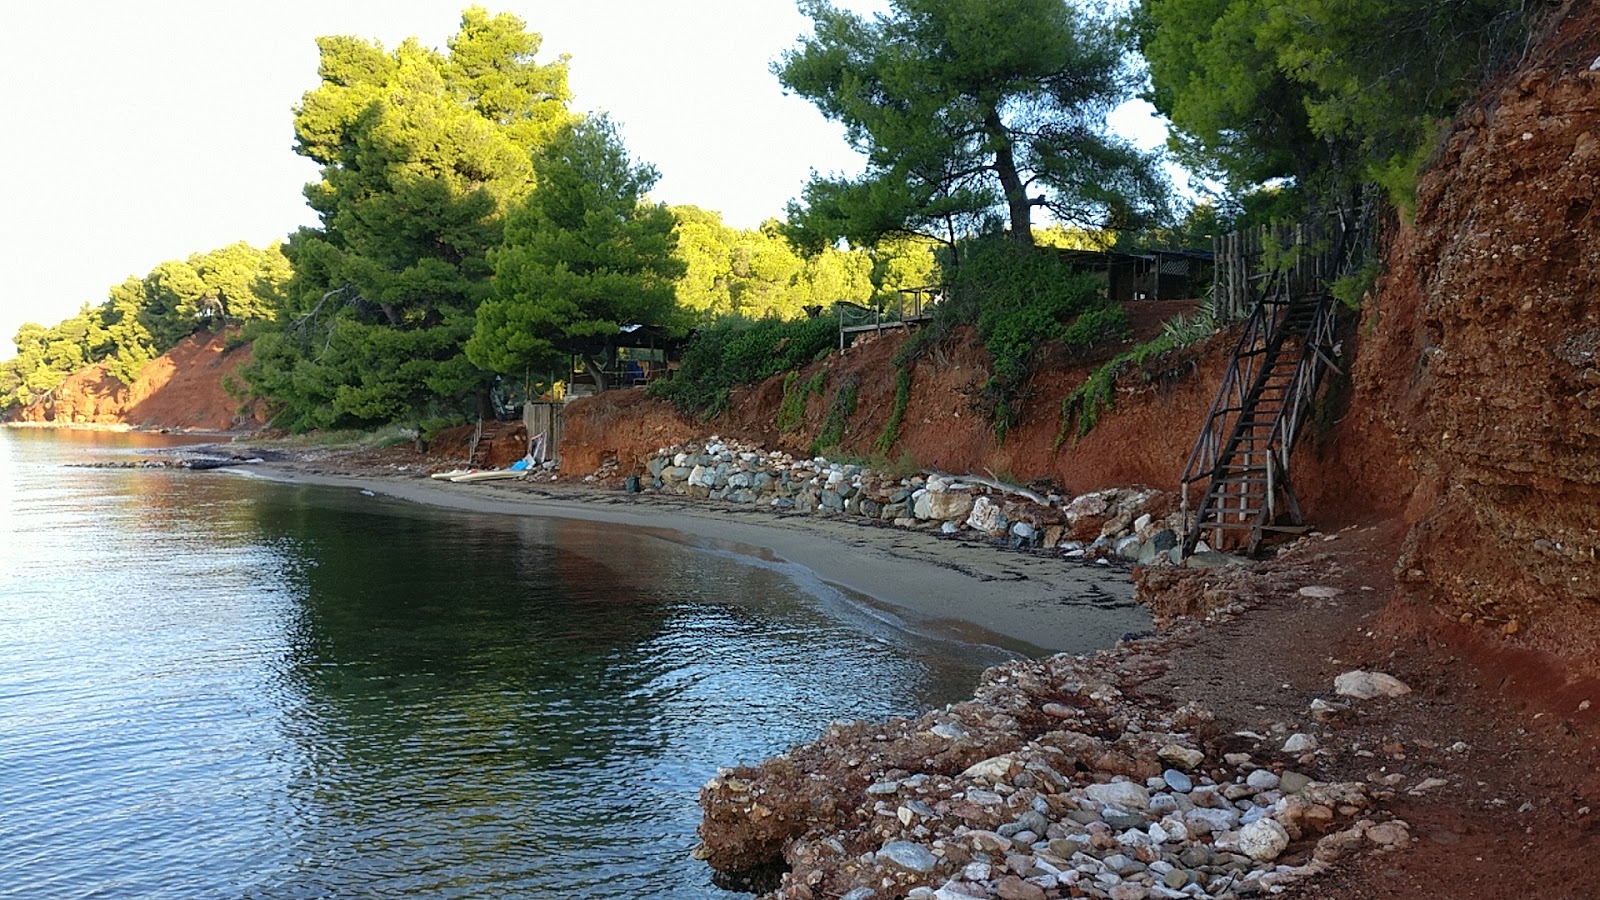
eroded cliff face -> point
(1483, 356)
(185, 388)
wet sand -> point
(1031, 604)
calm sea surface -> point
(215, 686)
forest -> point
(475, 233)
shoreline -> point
(1031, 605)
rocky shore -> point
(1050, 782)
(1130, 524)
(1478, 783)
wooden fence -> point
(543, 421)
(1293, 260)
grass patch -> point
(1082, 408)
(839, 413)
(897, 413)
(793, 408)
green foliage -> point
(1185, 330)
(1350, 289)
(967, 110)
(583, 256)
(422, 153)
(756, 273)
(143, 318)
(735, 351)
(1326, 94)
(46, 356)
(897, 413)
(791, 412)
(840, 410)
(1024, 296)
(1082, 408)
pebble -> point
(1013, 888)
(1292, 782)
(906, 855)
(1389, 834)
(1300, 743)
(1263, 779)
(1121, 793)
(1179, 756)
(1263, 840)
(992, 769)
(1178, 781)
(1364, 685)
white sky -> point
(139, 131)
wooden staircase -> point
(480, 450)
(1240, 464)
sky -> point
(140, 131)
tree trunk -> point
(1005, 165)
(485, 404)
(597, 371)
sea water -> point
(219, 686)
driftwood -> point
(997, 484)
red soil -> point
(186, 389)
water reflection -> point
(215, 686)
(495, 705)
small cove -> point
(223, 686)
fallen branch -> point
(997, 484)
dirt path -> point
(1514, 806)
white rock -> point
(1364, 685)
(1141, 523)
(1299, 743)
(946, 506)
(1125, 794)
(1320, 592)
(907, 855)
(1262, 780)
(987, 517)
(1220, 819)
(1263, 840)
(993, 769)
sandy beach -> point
(1030, 604)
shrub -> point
(736, 351)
